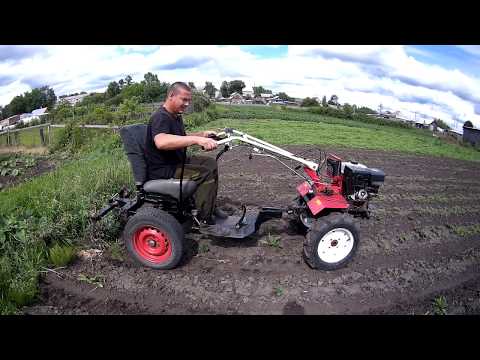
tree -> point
(130, 106)
(135, 89)
(324, 101)
(150, 79)
(348, 110)
(210, 89)
(93, 98)
(128, 80)
(309, 102)
(1, 112)
(112, 90)
(365, 110)
(153, 90)
(192, 85)
(51, 98)
(235, 86)
(333, 100)
(224, 89)
(121, 83)
(442, 124)
(16, 106)
(257, 90)
(468, 123)
(283, 96)
(199, 101)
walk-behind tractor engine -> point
(333, 192)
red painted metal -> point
(303, 188)
(152, 244)
(327, 195)
(322, 201)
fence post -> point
(42, 137)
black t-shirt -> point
(161, 164)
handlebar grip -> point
(214, 137)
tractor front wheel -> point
(154, 238)
(331, 242)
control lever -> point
(241, 222)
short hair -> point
(173, 89)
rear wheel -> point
(154, 238)
(331, 242)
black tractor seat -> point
(134, 138)
(171, 187)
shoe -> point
(220, 213)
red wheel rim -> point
(152, 244)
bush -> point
(70, 138)
(61, 255)
(309, 102)
(200, 101)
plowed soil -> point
(421, 243)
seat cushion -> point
(171, 187)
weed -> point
(115, 251)
(278, 290)
(203, 248)
(273, 241)
(98, 280)
(22, 292)
(440, 306)
(61, 255)
(464, 231)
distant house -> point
(236, 98)
(3, 124)
(72, 100)
(431, 125)
(259, 100)
(266, 96)
(471, 135)
(9, 122)
(248, 93)
(34, 115)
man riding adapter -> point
(166, 145)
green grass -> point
(50, 209)
(375, 137)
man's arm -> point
(174, 142)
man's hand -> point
(207, 144)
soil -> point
(411, 252)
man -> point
(166, 146)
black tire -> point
(320, 228)
(165, 228)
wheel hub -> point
(152, 244)
(335, 245)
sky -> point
(422, 82)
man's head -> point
(179, 96)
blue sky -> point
(422, 81)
